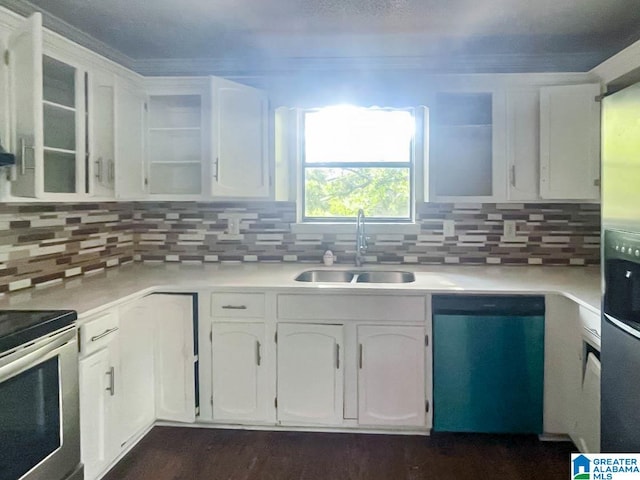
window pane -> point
(352, 134)
(340, 192)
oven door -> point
(39, 421)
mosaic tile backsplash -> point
(42, 244)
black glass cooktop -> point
(22, 326)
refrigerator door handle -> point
(622, 326)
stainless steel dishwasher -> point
(488, 363)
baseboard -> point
(293, 428)
(554, 437)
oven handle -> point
(51, 348)
(622, 326)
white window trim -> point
(293, 179)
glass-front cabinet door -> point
(63, 150)
(48, 99)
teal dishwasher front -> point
(488, 361)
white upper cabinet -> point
(241, 167)
(570, 142)
(102, 147)
(25, 93)
(523, 143)
(62, 121)
(130, 137)
(467, 146)
(176, 146)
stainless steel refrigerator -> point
(620, 354)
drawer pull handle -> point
(360, 355)
(234, 307)
(337, 356)
(258, 357)
(104, 334)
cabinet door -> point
(391, 383)
(523, 143)
(175, 357)
(99, 444)
(175, 148)
(240, 141)
(135, 386)
(239, 372)
(101, 109)
(129, 134)
(310, 374)
(587, 431)
(25, 93)
(570, 142)
(562, 365)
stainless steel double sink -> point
(346, 276)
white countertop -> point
(89, 294)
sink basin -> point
(325, 276)
(386, 277)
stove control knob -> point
(617, 248)
(637, 252)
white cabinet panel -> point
(129, 132)
(587, 431)
(240, 141)
(523, 143)
(174, 356)
(391, 376)
(398, 308)
(310, 374)
(26, 93)
(135, 386)
(570, 142)
(562, 365)
(240, 372)
(102, 133)
(99, 422)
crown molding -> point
(435, 64)
(68, 31)
(621, 64)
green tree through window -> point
(358, 158)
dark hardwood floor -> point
(206, 454)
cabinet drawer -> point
(98, 332)
(396, 308)
(244, 305)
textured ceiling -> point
(255, 29)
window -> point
(358, 158)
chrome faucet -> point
(361, 239)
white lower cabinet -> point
(587, 429)
(241, 373)
(100, 441)
(391, 375)
(175, 357)
(310, 374)
(135, 386)
(136, 363)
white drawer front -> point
(395, 308)
(98, 332)
(238, 305)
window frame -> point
(411, 165)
